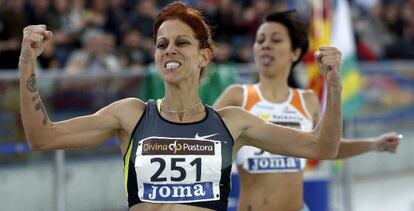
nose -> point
(171, 50)
(266, 45)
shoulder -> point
(133, 103)
(128, 107)
(235, 88)
(234, 91)
(231, 96)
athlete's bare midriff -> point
(270, 192)
(165, 207)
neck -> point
(180, 97)
(274, 88)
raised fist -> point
(329, 63)
(35, 37)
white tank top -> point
(291, 113)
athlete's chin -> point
(171, 78)
(268, 72)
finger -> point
(327, 48)
(327, 57)
(36, 38)
(331, 52)
(393, 141)
(47, 35)
(34, 28)
(43, 26)
(38, 30)
(330, 59)
(36, 46)
(317, 55)
(330, 49)
(332, 64)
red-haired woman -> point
(177, 151)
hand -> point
(329, 62)
(387, 142)
(35, 37)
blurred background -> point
(102, 51)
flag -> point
(319, 35)
(343, 39)
(334, 28)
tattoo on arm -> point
(39, 106)
(34, 98)
(249, 208)
(31, 86)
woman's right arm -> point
(41, 133)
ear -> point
(205, 57)
(296, 54)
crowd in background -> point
(114, 35)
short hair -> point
(192, 18)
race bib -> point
(273, 163)
(259, 161)
(178, 170)
(294, 125)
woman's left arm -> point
(387, 142)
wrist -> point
(335, 87)
(26, 61)
(373, 143)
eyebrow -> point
(185, 36)
(273, 34)
(179, 36)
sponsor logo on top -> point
(161, 146)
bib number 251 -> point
(175, 166)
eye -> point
(182, 43)
(162, 45)
(276, 40)
(260, 40)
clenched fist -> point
(35, 37)
(387, 142)
(329, 63)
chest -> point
(177, 163)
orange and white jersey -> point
(291, 113)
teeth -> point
(172, 65)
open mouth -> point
(266, 60)
(172, 65)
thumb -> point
(317, 55)
(47, 35)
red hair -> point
(191, 17)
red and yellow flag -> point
(319, 35)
